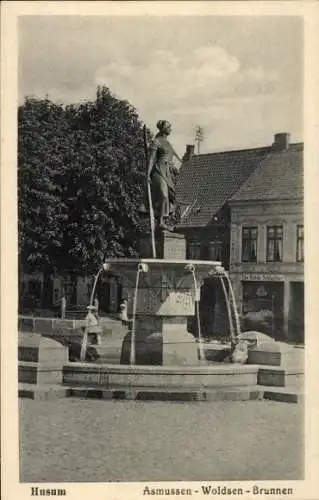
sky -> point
(239, 78)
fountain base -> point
(161, 341)
(162, 378)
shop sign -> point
(262, 277)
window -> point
(300, 248)
(69, 289)
(274, 243)
(249, 244)
(215, 250)
(193, 250)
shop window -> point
(249, 244)
(300, 245)
(274, 243)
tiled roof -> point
(212, 179)
(278, 177)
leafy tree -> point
(105, 181)
(41, 148)
(81, 179)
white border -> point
(11, 488)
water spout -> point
(191, 268)
(229, 312)
(86, 327)
(141, 268)
(132, 353)
(235, 311)
(94, 285)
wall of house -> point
(31, 290)
(211, 242)
(77, 292)
(288, 272)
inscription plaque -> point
(163, 303)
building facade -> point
(266, 264)
(75, 289)
(249, 215)
(267, 245)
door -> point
(263, 304)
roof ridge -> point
(228, 151)
(245, 150)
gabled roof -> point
(278, 177)
(212, 179)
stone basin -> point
(166, 286)
(160, 294)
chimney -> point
(190, 148)
(281, 141)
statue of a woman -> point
(162, 173)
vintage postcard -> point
(159, 192)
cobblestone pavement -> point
(81, 440)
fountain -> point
(160, 294)
(161, 290)
(160, 359)
(158, 353)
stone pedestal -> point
(161, 341)
(276, 354)
(168, 246)
(179, 347)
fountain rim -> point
(128, 260)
